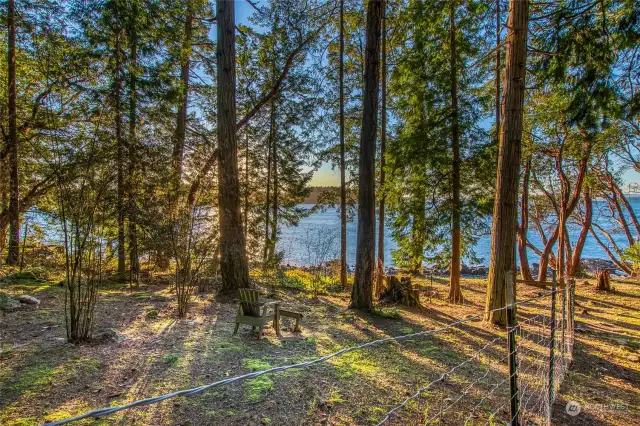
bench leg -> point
(260, 333)
(296, 329)
(236, 329)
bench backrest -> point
(248, 300)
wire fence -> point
(513, 378)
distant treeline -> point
(316, 191)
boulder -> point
(110, 335)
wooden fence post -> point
(513, 356)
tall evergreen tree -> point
(362, 293)
(503, 235)
(12, 140)
(233, 259)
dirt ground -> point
(43, 378)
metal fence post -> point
(513, 356)
(552, 345)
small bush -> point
(152, 314)
(170, 358)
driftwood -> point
(399, 290)
(602, 280)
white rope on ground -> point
(110, 410)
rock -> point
(29, 300)
(8, 302)
(593, 265)
(191, 323)
(479, 270)
(633, 358)
(110, 335)
(465, 270)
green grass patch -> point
(170, 359)
(389, 313)
(153, 314)
(256, 389)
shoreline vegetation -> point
(588, 266)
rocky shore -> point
(588, 265)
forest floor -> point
(43, 378)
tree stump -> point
(602, 280)
(400, 290)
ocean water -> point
(317, 238)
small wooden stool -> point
(291, 314)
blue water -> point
(317, 238)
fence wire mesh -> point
(477, 390)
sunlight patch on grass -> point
(256, 389)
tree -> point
(12, 141)
(233, 259)
(383, 148)
(343, 183)
(505, 211)
(361, 295)
(433, 101)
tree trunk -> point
(361, 295)
(546, 253)
(233, 259)
(455, 294)
(179, 136)
(274, 221)
(620, 263)
(14, 184)
(246, 187)
(120, 157)
(566, 208)
(497, 71)
(267, 205)
(505, 211)
(630, 211)
(523, 229)
(400, 290)
(602, 280)
(383, 143)
(343, 184)
(132, 206)
(574, 267)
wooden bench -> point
(290, 314)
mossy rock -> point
(24, 275)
